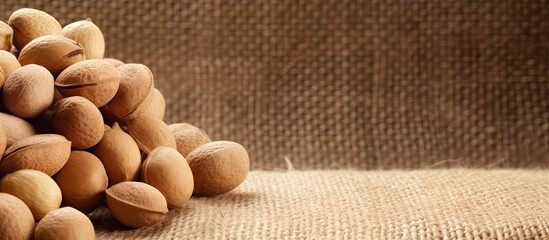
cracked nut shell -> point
(29, 24)
(53, 52)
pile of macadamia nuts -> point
(79, 130)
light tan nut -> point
(15, 128)
(35, 188)
(82, 181)
(168, 171)
(16, 220)
(150, 133)
(53, 52)
(79, 121)
(28, 24)
(95, 80)
(120, 155)
(8, 63)
(188, 137)
(47, 153)
(6, 34)
(218, 167)
(136, 204)
(89, 36)
(157, 107)
(28, 91)
(64, 223)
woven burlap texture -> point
(339, 84)
(423, 204)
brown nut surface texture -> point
(157, 107)
(95, 80)
(28, 24)
(79, 121)
(8, 63)
(64, 223)
(188, 137)
(16, 220)
(136, 204)
(47, 153)
(150, 133)
(38, 190)
(168, 171)
(120, 155)
(218, 167)
(6, 33)
(52, 52)
(134, 94)
(89, 36)
(82, 181)
(15, 128)
(28, 91)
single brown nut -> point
(16, 220)
(120, 155)
(150, 133)
(64, 223)
(79, 121)
(89, 36)
(168, 171)
(43, 152)
(6, 33)
(28, 24)
(35, 188)
(9, 63)
(15, 128)
(53, 52)
(28, 91)
(136, 204)
(134, 94)
(115, 62)
(157, 107)
(82, 181)
(188, 137)
(3, 141)
(218, 167)
(94, 79)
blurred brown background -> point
(343, 84)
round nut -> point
(15, 128)
(16, 220)
(218, 167)
(168, 171)
(53, 52)
(115, 62)
(64, 223)
(28, 24)
(79, 121)
(136, 204)
(157, 107)
(82, 181)
(35, 188)
(150, 133)
(120, 155)
(134, 94)
(9, 63)
(94, 79)
(47, 153)
(188, 137)
(89, 36)
(6, 33)
(28, 91)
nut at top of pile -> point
(53, 52)
(28, 24)
(6, 33)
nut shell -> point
(53, 52)
(82, 181)
(150, 133)
(64, 223)
(16, 220)
(28, 24)
(136, 204)
(15, 128)
(95, 80)
(6, 33)
(115, 62)
(28, 91)
(9, 63)
(79, 121)
(119, 154)
(89, 36)
(35, 188)
(218, 167)
(157, 107)
(47, 153)
(188, 137)
(168, 171)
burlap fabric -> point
(338, 84)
